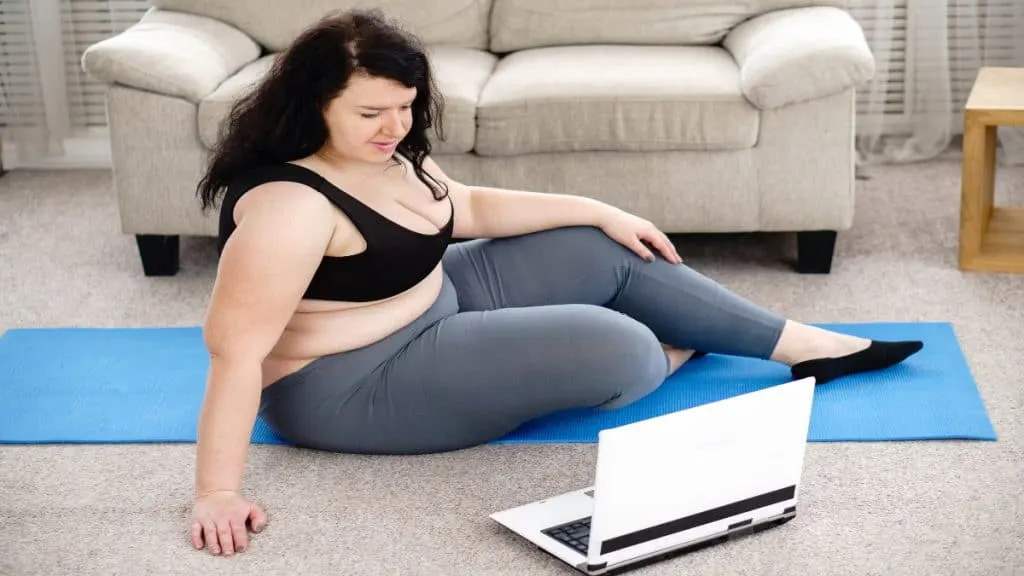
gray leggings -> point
(523, 327)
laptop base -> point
(687, 548)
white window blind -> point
(911, 67)
(20, 90)
(85, 22)
(41, 45)
(989, 35)
(885, 27)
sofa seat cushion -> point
(460, 75)
(615, 98)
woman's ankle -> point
(676, 357)
(801, 342)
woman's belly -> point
(320, 328)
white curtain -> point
(45, 98)
(85, 22)
(25, 118)
(928, 53)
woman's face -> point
(369, 118)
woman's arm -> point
(225, 424)
(282, 234)
(498, 212)
(483, 212)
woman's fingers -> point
(641, 249)
(197, 535)
(239, 535)
(665, 246)
(227, 545)
(257, 518)
(679, 259)
(210, 537)
(660, 242)
(221, 521)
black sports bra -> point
(396, 258)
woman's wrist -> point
(210, 491)
(605, 214)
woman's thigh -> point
(476, 376)
(573, 265)
(582, 265)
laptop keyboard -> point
(575, 535)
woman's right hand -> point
(221, 519)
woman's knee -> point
(623, 358)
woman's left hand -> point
(636, 233)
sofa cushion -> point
(171, 53)
(215, 108)
(627, 98)
(274, 24)
(460, 76)
(521, 24)
(791, 56)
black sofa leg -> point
(814, 251)
(159, 254)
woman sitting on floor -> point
(344, 314)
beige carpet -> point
(930, 508)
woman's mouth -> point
(386, 146)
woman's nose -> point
(393, 123)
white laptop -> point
(679, 482)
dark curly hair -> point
(281, 119)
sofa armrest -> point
(800, 54)
(171, 53)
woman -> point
(344, 316)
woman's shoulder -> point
(283, 187)
(258, 175)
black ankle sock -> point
(877, 356)
(697, 354)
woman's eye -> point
(371, 115)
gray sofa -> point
(700, 115)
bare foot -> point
(801, 342)
(676, 357)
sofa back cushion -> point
(521, 24)
(275, 23)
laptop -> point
(677, 483)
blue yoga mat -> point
(114, 385)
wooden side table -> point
(991, 237)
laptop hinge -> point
(741, 524)
(741, 528)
